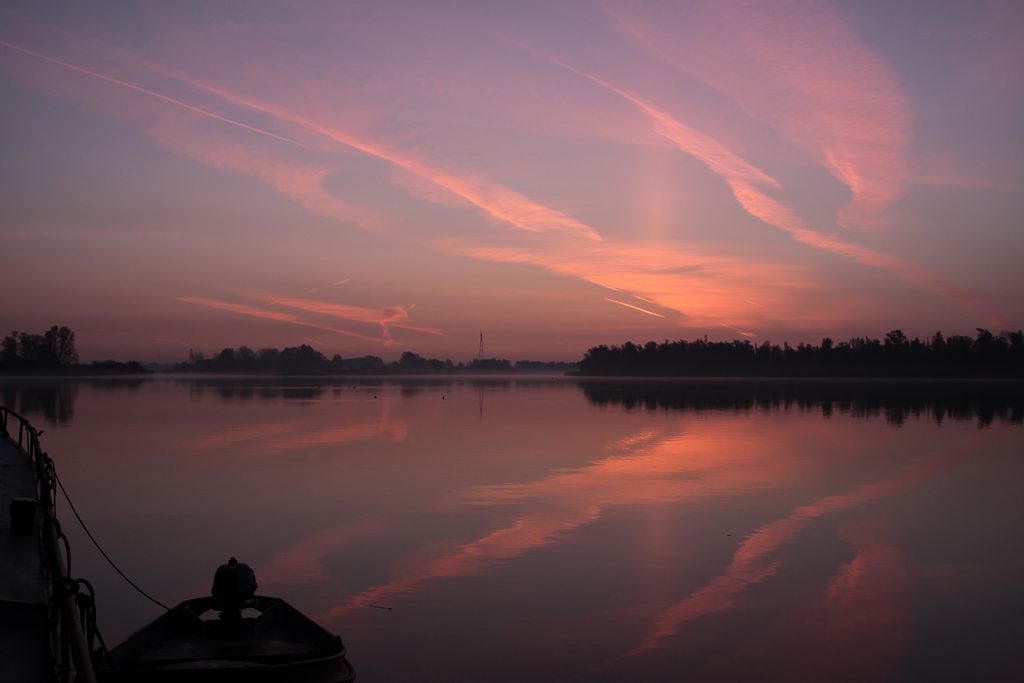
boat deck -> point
(22, 589)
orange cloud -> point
(705, 288)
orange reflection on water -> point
(753, 561)
(302, 562)
(527, 533)
(701, 462)
(867, 602)
(858, 627)
(386, 428)
(279, 436)
(231, 437)
(678, 467)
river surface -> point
(557, 530)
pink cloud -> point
(500, 202)
(801, 67)
(256, 312)
(387, 317)
(744, 180)
(300, 180)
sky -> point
(374, 178)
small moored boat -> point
(233, 635)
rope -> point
(99, 548)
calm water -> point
(547, 530)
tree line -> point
(308, 361)
(54, 351)
(54, 348)
(985, 355)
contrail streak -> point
(160, 96)
(635, 308)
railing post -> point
(71, 648)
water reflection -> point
(576, 530)
(645, 468)
(292, 434)
(302, 562)
(757, 557)
(896, 400)
(52, 401)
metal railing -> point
(72, 612)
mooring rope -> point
(96, 543)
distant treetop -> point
(987, 355)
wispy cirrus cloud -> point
(747, 183)
(386, 318)
(306, 184)
(301, 180)
(801, 67)
(711, 293)
(696, 284)
(498, 201)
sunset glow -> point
(400, 176)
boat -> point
(231, 635)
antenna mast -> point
(480, 353)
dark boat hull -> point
(269, 642)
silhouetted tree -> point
(53, 349)
(988, 355)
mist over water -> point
(557, 530)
